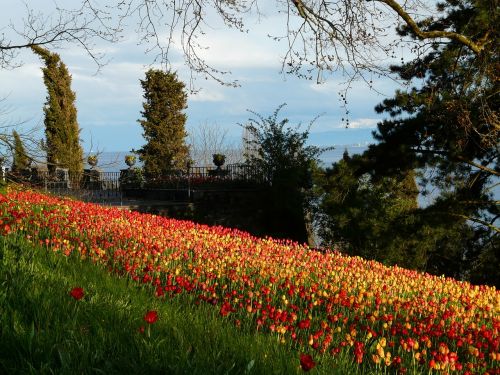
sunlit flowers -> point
(383, 318)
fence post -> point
(189, 180)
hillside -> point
(320, 306)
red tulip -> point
(304, 324)
(151, 317)
(306, 362)
(77, 293)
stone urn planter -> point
(219, 160)
(92, 161)
(130, 160)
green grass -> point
(43, 330)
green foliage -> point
(361, 213)
(20, 160)
(61, 126)
(449, 123)
(377, 217)
(164, 124)
(445, 127)
(484, 269)
(131, 178)
(280, 155)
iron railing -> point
(108, 187)
(90, 186)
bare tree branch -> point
(350, 36)
(209, 139)
(82, 26)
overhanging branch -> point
(459, 158)
(310, 15)
(460, 38)
(479, 166)
(476, 220)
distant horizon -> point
(362, 138)
(115, 160)
(362, 144)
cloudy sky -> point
(109, 102)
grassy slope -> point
(44, 330)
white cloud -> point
(24, 91)
(21, 77)
(118, 82)
(230, 51)
(331, 86)
(207, 95)
(364, 123)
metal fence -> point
(206, 177)
(230, 172)
(91, 185)
(112, 187)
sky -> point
(109, 101)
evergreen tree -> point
(61, 127)
(377, 217)
(164, 124)
(280, 155)
(20, 160)
(366, 216)
(446, 126)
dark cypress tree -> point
(61, 126)
(20, 160)
(164, 124)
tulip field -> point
(320, 304)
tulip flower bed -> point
(322, 304)
(64, 315)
